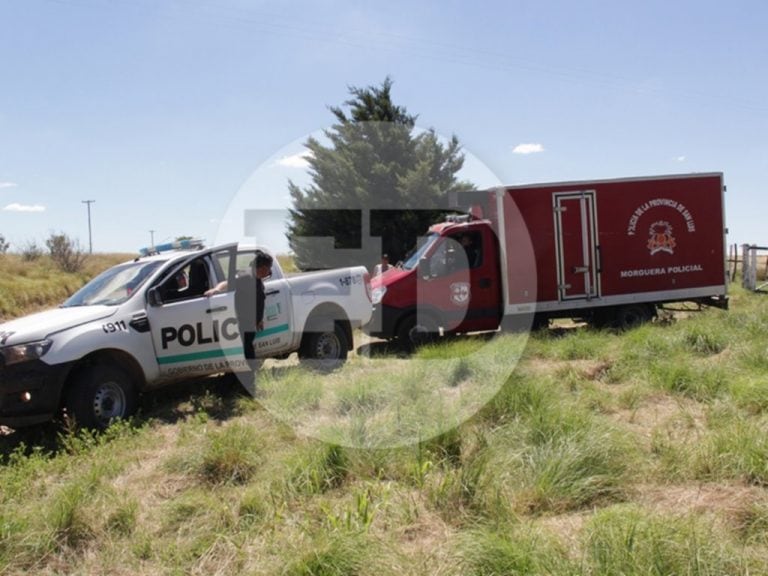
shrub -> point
(30, 251)
(65, 252)
(4, 245)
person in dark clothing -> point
(249, 300)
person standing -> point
(382, 266)
(249, 300)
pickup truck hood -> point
(42, 324)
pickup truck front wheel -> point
(324, 350)
(99, 395)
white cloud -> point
(296, 161)
(8, 185)
(680, 159)
(529, 148)
(16, 207)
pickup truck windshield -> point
(114, 286)
(413, 260)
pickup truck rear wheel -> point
(99, 395)
(324, 350)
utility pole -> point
(152, 238)
(90, 238)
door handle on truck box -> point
(217, 309)
(599, 253)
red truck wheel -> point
(414, 332)
(632, 316)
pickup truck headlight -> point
(25, 352)
(377, 294)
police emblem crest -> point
(661, 239)
(460, 293)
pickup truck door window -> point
(192, 333)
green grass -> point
(628, 540)
(574, 452)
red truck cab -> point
(451, 283)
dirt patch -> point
(678, 416)
(568, 529)
(729, 504)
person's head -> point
(466, 240)
(261, 266)
(385, 259)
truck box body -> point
(612, 242)
(590, 249)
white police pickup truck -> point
(147, 322)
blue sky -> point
(169, 113)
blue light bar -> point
(192, 244)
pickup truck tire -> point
(99, 395)
(326, 350)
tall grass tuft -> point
(122, 521)
(68, 516)
(521, 394)
(629, 541)
(555, 457)
(340, 554)
(734, 448)
(517, 550)
(228, 455)
(705, 340)
(316, 469)
(577, 343)
(694, 380)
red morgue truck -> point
(608, 251)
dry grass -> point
(27, 287)
(602, 453)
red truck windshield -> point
(425, 244)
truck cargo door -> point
(577, 258)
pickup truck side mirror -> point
(154, 297)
